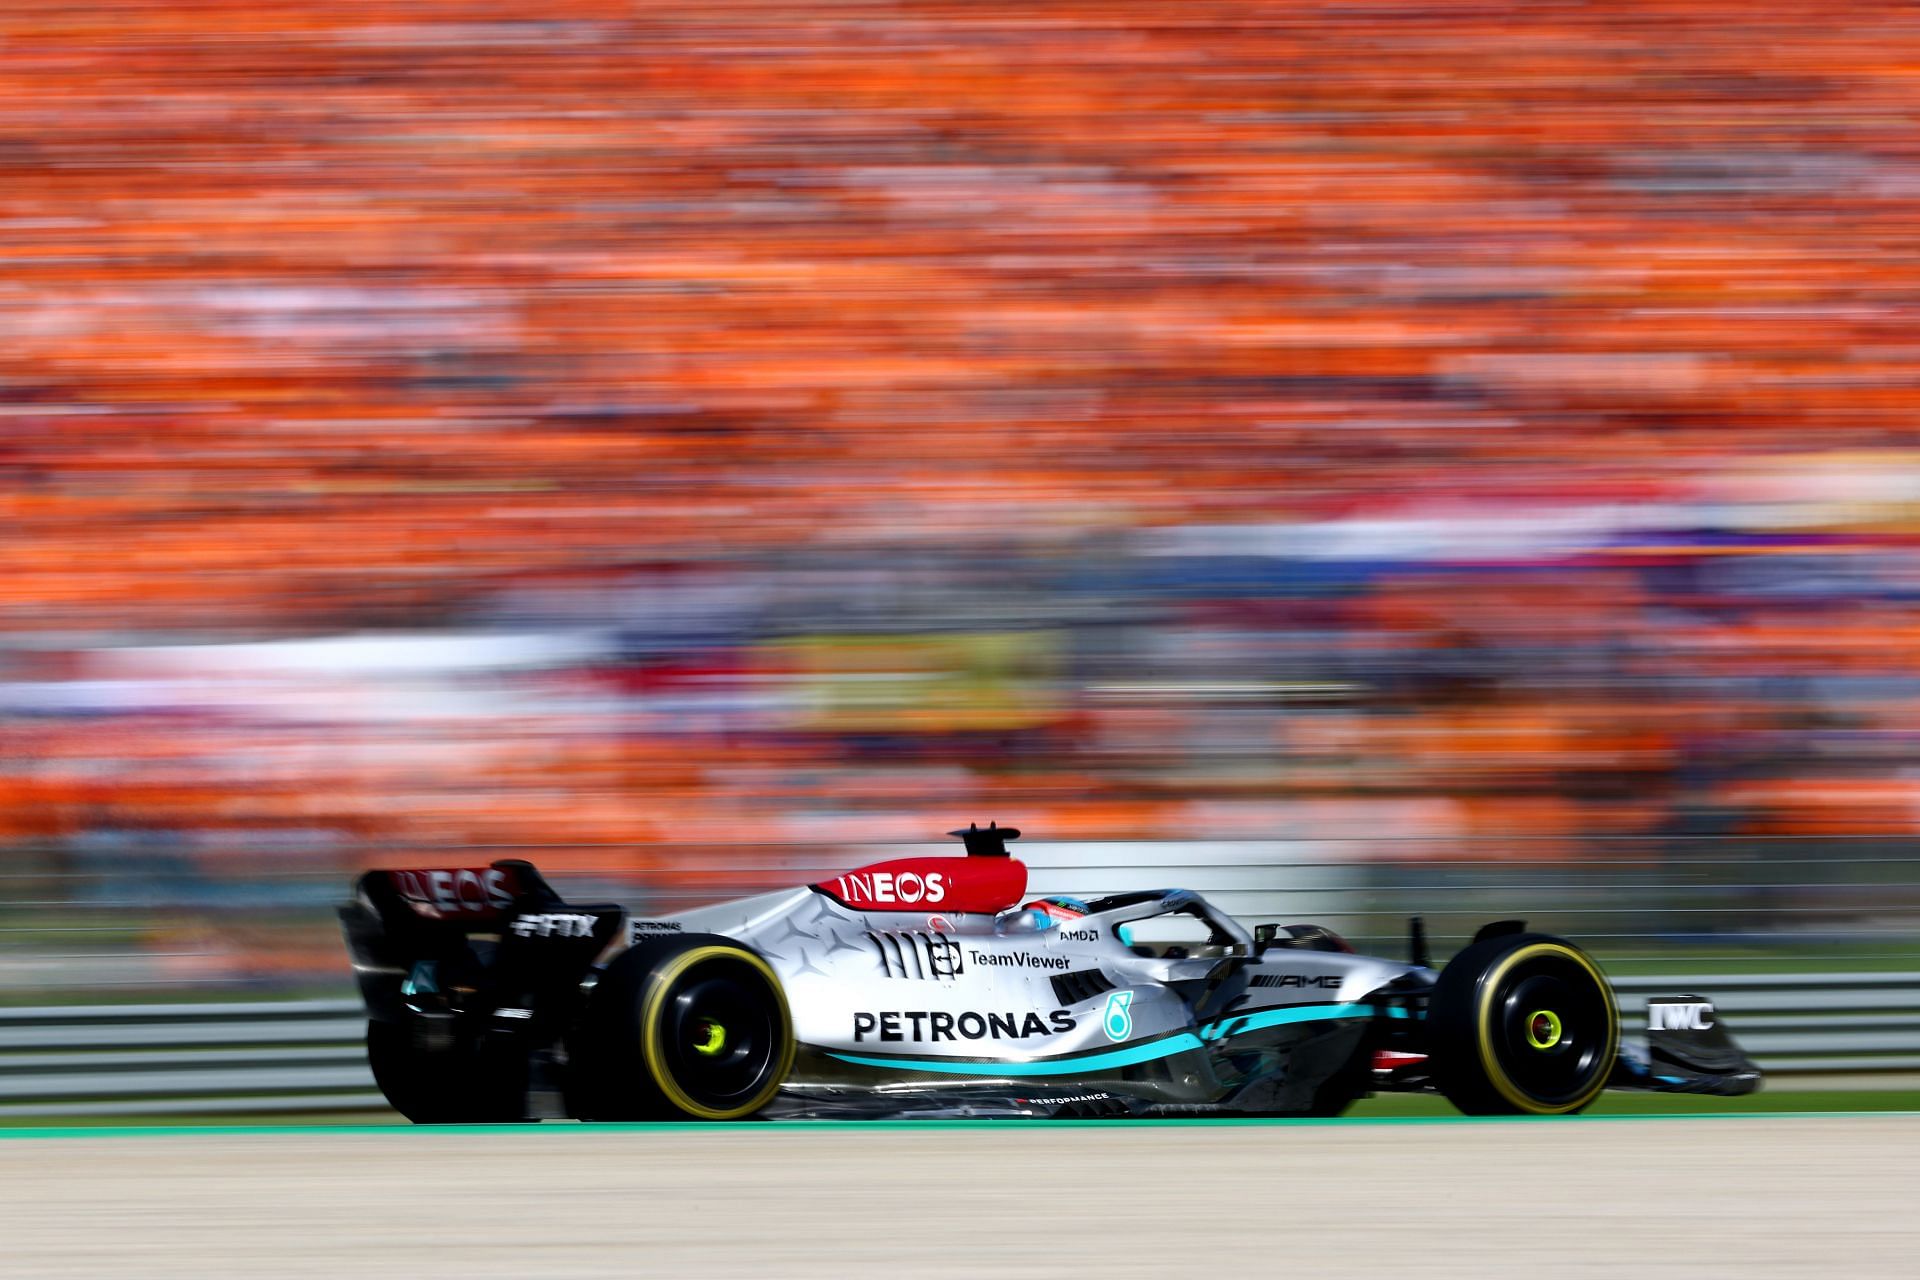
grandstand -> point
(740, 425)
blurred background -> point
(1350, 458)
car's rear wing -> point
(464, 939)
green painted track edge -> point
(868, 1126)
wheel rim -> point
(720, 1034)
(1551, 1028)
(709, 1038)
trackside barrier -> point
(1792, 1024)
(308, 1056)
(159, 1059)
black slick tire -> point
(1522, 1024)
(463, 1085)
(691, 1027)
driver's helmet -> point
(1059, 910)
(1039, 915)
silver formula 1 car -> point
(933, 987)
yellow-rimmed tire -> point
(1522, 1024)
(693, 1027)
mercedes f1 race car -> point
(932, 986)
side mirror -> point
(1263, 936)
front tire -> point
(1522, 1024)
(694, 1027)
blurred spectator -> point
(751, 423)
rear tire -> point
(464, 1085)
(1522, 1024)
(694, 1027)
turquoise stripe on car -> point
(1162, 1048)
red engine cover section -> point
(921, 884)
(470, 895)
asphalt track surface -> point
(1773, 1195)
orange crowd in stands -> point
(370, 317)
